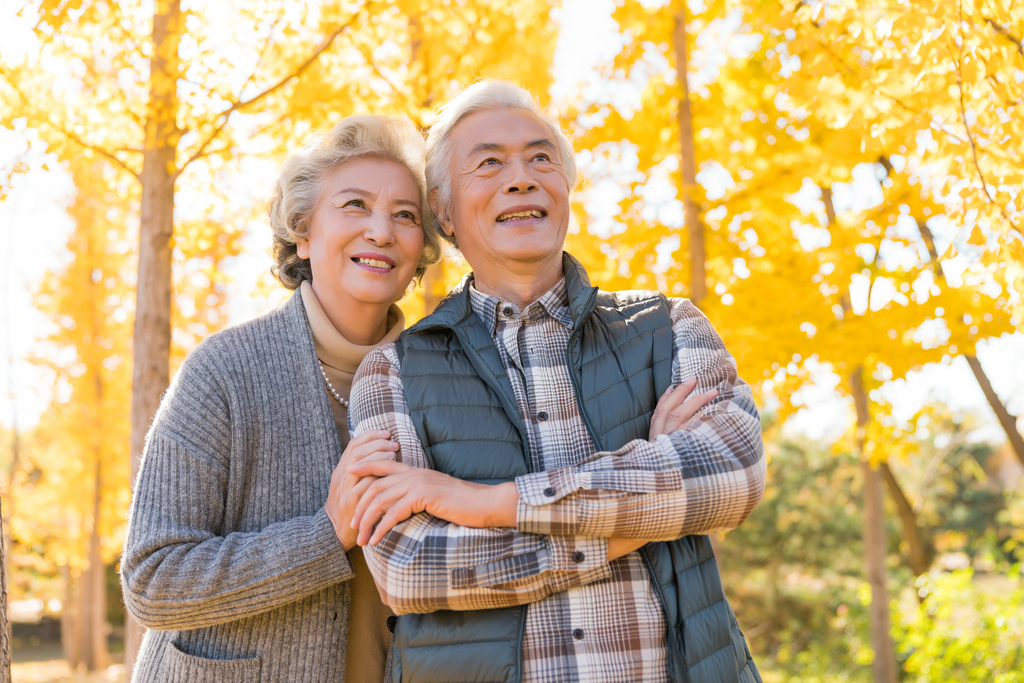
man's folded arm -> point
(707, 476)
(424, 563)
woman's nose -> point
(380, 229)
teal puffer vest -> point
(462, 404)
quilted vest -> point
(465, 413)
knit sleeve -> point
(179, 570)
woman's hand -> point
(676, 407)
(400, 491)
(347, 488)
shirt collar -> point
(491, 309)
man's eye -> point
(542, 156)
(490, 162)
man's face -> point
(510, 198)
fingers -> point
(668, 402)
(678, 407)
(375, 468)
(386, 504)
(366, 444)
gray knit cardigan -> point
(230, 560)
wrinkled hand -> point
(347, 489)
(402, 491)
(677, 406)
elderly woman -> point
(240, 558)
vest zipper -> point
(572, 351)
(668, 627)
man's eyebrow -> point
(496, 147)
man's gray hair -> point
(485, 94)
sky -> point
(35, 226)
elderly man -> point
(560, 536)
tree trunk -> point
(688, 167)
(1008, 421)
(874, 543)
(830, 207)
(7, 513)
(5, 628)
(151, 344)
(92, 591)
(69, 619)
(919, 552)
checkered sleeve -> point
(425, 563)
(707, 476)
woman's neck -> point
(359, 323)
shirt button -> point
(577, 634)
(507, 311)
(542, 416)
(549, 492)
(578, 556)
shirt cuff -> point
(565, 555)
(544, 488)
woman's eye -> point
(357, 203)
(407, 216)
(541, 157)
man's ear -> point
(443, 219)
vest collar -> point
(456, 307)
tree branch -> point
(241, 104)
(99, 150)
(970, 139)
(1005, 32)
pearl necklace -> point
(330, 387)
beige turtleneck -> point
(368, 635)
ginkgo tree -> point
(858, 291)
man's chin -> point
(529, 252)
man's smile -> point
(522, 214)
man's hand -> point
(676, 407)
(347, 489)
(401, 491)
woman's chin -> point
(372, 294)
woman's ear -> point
(302, 248)
(443, 219)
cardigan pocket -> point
(180, 667)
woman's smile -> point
(365, 238)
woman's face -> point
(365, 238)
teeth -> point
(519, 214)
(373, 263)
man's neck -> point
(519, 287)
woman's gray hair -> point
(484, 94)
(301, 184)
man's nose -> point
(519, 177)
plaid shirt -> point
(588, 619)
